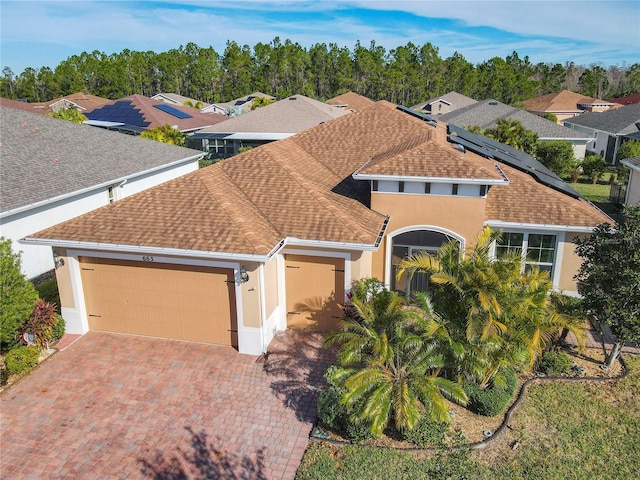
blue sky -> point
(43, 33)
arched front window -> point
(407, 244)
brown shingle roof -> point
(527, 201)
(560, 102)
(249, 203)
(154, 117)
(351, 101)
(430, 155)
(86, 101)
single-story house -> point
(136, 113)
(54, 170)
(487, 113)
(274, 237)
(350, 101)
(608, 129)
(633, 185)
(263, 125)
(236, 107)
(566, 104)
(181, 100)
(446, 103)
(79, 100)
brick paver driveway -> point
(117, 406)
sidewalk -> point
(594, 340)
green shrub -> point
(48, 291)
(492, 401)
(59, 328)
(554, 363)
(333, 414)
(426, 433)
(17, 296)
(21, 359)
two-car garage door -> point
(160, 300)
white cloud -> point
(616, 22)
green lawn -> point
(597, 193)
(565, 431)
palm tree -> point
(70, 114)
(497, 315)
(389, 364)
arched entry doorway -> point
(406, 243)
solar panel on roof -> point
(427, 118)
(173, 111)
(510, 156)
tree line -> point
(405, 75)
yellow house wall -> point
(463, 216)
(63, 277)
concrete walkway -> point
(116, 406)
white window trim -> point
(557, 262)
(412, 228)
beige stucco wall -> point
(63, 277)
(570, 263)
(251, 311)
(270, 287)
(361, 265)
(463, 216)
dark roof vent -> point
(493, 102)
(292, 98)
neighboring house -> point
(487, 113)
(633, 185)
(273, 238)
(350, 101)
(565, 104)
(628, 100)
(136, 113)
(82, 101)
(446, 103)
(53, 170)
(263, 125)
(608, 129)
(175, 99)
(236, 107)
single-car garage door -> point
(160, 300)
(315, 290)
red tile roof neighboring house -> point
(628, 100)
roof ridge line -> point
(244, 227)
(317, 192)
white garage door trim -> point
(79, 319)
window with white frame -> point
(535, 248)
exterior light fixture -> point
(244, 276)
(57, 261)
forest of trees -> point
(405, 75)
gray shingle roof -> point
(45, 157)
(620, 121)
(632, 162)
(486, 114)
(291, 115)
